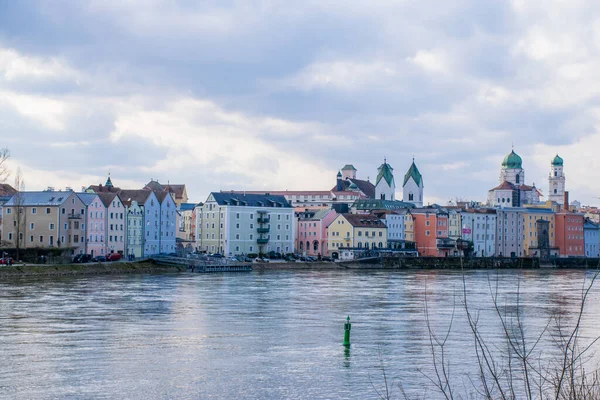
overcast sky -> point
(279, 94)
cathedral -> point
(512, 190)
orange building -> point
(569, 234)
(431, 232)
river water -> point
(271, 335)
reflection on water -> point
(266, 335)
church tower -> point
(556, 181)
(412, 189)
(385, 187)
(512, 169)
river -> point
(270, 335)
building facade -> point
(95, 223)
(312, 238)
(570, 238)
(356, 231)
(479, 227)
(591, 233)
(510, 230)
(233, 224)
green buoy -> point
(347, 327)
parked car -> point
(113, 257)
(6, 261)
(216, 255)
(82, 258)
(99, 259)
(326, 258)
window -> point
(51, 227)
(8, 210)
(31, 225)
(48, 210)
(34, 210)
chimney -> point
(566, 201)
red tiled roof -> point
(104, 189)
(505, 185)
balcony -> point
(263, 220)
(74, 216)
(263, 230)
(262, 240)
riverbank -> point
(87, 269)
(149, 267)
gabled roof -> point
(87, 198)
(139, 196)
(177, 189)
(385, 171)
(107, 198)
(28, 199)
(364, 221)
(348, 167)
(250, 200)
(161, 196)
(413, 172)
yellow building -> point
(409, 227)
(361, 231)
(537, 223)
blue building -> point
(592, 239)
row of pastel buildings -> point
(99, 221)
(354, 218)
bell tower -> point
(556, 181)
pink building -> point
(95, 224)
(311, 237)
(114, 239)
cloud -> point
(280, 95)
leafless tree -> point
(518, 368)
(19, 212)
(4, 171)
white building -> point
(479, 227)
(412, 189)
(235, 223)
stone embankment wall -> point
(86, 269)
(390, 264)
